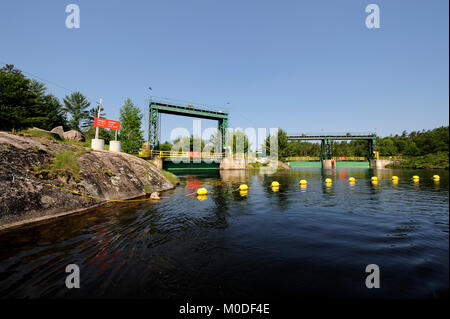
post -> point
(98, 115)
(96, 143)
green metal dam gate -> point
(161, 107)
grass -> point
(38, 133)
(171, 177)
(148, 189)
(64, 163)
(257, 165)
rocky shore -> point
(27, 163)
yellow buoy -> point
(328, 180)
(243, 187)
(275, 184)
(436, 177)
(375, 182)
(351, 179)
(243, 193)
(202, 197)
(202, 191)
(275, 188)
(303, 182)
(395, 178)
(374, 179)
(415, 178)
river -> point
(289, 242)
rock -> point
(58, 130)
(56, 136)
(154, 195)
(73, 135)
(102, 174)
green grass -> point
(37, 133)
(171, 177)
(148, 189)
(257, 165)
(64, 163)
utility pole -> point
(98, 115)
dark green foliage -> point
(166, 146)
(283, 145)
(432, 160)
(92, 113)
(77, 106)
(103, 133)
(131, 135)
(24, 103)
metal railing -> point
(339, 158)
(180, 154)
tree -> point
(77, 106)
(282, 144)
(166, 146)
(24, 103)
(131, 135)
(92, 114)
(103, 133)
(240, 142)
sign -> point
(105, 123)
(342, 158)
(195, 154)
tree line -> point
(419, 149)
(415, 143)
(25, 103)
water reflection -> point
(220, 244)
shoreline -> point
(28, 163)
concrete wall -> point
(229, 163)
(158, 162)
(380, 164)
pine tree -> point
(77, 106)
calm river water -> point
(294, 242)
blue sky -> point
(304, 66)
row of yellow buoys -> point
(243, 188)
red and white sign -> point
(105, 123)
(342, 158)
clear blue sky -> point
(304, 66)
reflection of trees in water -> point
(279, 197)
(221, 196)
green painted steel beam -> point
(186, 111)
(334, 138)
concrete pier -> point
(230, 163)
(380, 164)
(328, 164)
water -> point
(313, 242)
